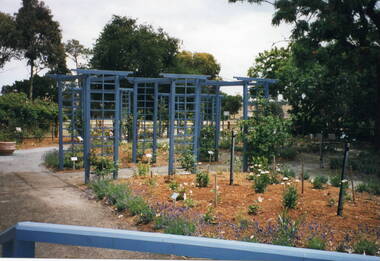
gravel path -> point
(30, 192)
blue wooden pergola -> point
(100, 109)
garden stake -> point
(345, 159)
(216, 192)
(302, 174)
(232, 155)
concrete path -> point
(30, 192)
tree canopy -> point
(335, 63)
(8, 34)
(125, 45)
(77, 53)
(196, 63)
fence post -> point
(340, 203)
(19, 248)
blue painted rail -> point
(19, 241)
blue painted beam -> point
(253, 79)
(101, 72)
(224, 83)
(161, 243)
(171, 170)
(184, 76)
(116, 127)
(87, 130)
(134, 123)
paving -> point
(30, 192)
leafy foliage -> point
(207, 142)
(253, 209)
(319, 182)
(316, 243)
(77, 53)
(261, 182)
(290, 197)
(202, 179)
(8, 34)
(125, 45)
(34, 117)
(231, 103)
(188, 162)
(365, 246)
(103, 166)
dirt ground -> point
(317, 217)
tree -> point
(77, 52)
(125, 45)
(8, 36)
(45, 88)
(341, 38)
(39, 39)
(231, 103)
(196, 63)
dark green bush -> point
(306, 175)
(316, 243)
(290, 197)
(51, 159)
(372, 188)
(288, 172)
(34, 117)
(207, 143)
(319, 182)
(100, 188)
(202, 179)
(335, 181)
(366, 246)
(260, 183)
(103, 166)
(287, 230)
(188, 161)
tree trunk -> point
(377, 119)
(31, 80)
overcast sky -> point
(233, 33)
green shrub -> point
(260, 183)
(206, 142)
(188, 162)
(146, 215)
(316, 243)
(173, 185)
(202, 179)
(161, 222)
(209, 216)
(335, 181)
(50, 159)
(180, 226)
(136, 205)
(372, 188)
(319, 182)
(366, 246)
(100, 188)
(253, 209)
(189, 203)
(142, 169)
(287, 230)
(117, 192)
(103, 166)
(306, 175)
(290, 197)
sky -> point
(234, 33)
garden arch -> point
(100, 109)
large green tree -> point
(8, 38)
(196, 63)
(39, 39)
(340, 39)
(125, 45)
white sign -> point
(18, 129)
(74, 158)
(174, 196)
(226, 113)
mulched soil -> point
(360, 218)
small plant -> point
(316, 243)
(202, 179)
(151, 182)
(290, 197)
(179, 226)
(189, 203)
(173, 185)
(261, 182)
(253, 209)
(100, 188)
(287, 230)
(103, 166)
(362, 187)
(306, 176)
(146, 215)
(188, 161)
(372, 188)
(319, 182)
(142, 169)
(367, 247)
(209, 216)
(335, 181)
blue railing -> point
(19, 241)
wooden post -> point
(302, 174)
(341, 200)
(232, 156)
